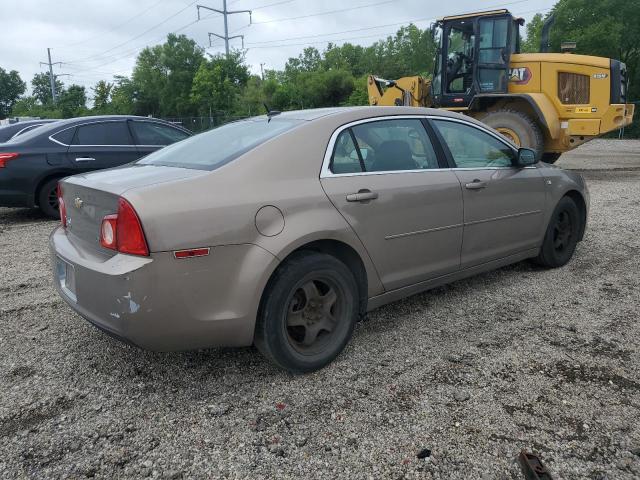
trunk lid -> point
(89, 197)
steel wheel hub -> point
(312, 315)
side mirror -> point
(526, 157)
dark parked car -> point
(7, 132)
(32, 163)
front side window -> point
(470, 147)
(212, 149)
(384, 146)
(153, 133)
(105, 133)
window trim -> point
(110, 121)
(325, 171)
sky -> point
(97, 39)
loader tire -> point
(518, 127)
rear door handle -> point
(362, 196)
(476, 185)
(85, 159)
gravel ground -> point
(474, 372)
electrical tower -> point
(52, 78)
(225, 13)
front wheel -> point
(518, 127)
(561, 237)
(308, 312)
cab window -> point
(470, 147)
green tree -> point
(11, 87)
(73, 101)
(102, 96)
(41, 87)
(123, 96)
(531, 44)
(218, 83)
(163, 77)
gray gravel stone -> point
(540, 353)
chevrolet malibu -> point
(282, 230)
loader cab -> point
(473, 56)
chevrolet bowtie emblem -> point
(78, 202)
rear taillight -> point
(61, 207)
(5, 157)
(123, 231)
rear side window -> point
(104, 133)
(345, 155)
(153, 133)
(65, 136)
(384, 146)
(212, 149)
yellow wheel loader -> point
(550, 102)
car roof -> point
(364, 112)
(49, 129)
(98, 118)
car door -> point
(150, 136)
(102, 144)
(503, 203)
(385, 176)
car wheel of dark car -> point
(48, 198)
(562, 234)
(308, 312)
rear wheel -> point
(308, 312)
(562, 234)
(518, 127)
(48, 198)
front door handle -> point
(476, 185)
(85, 159)
(362, 196)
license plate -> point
(66, 277)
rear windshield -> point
(212, 149)
(34, 132)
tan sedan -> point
(282, 230)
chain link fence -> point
(202, 124)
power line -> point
(137, 36)
(263, 44)
(225, 13)
(324, 13)
(113, 29)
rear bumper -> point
(160, 303)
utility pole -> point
(262, 71)
(52, 79)
(225, 13)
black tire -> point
(562, 235)
(526, 128)
(299, 293)
(550, 157)
(48, 198)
